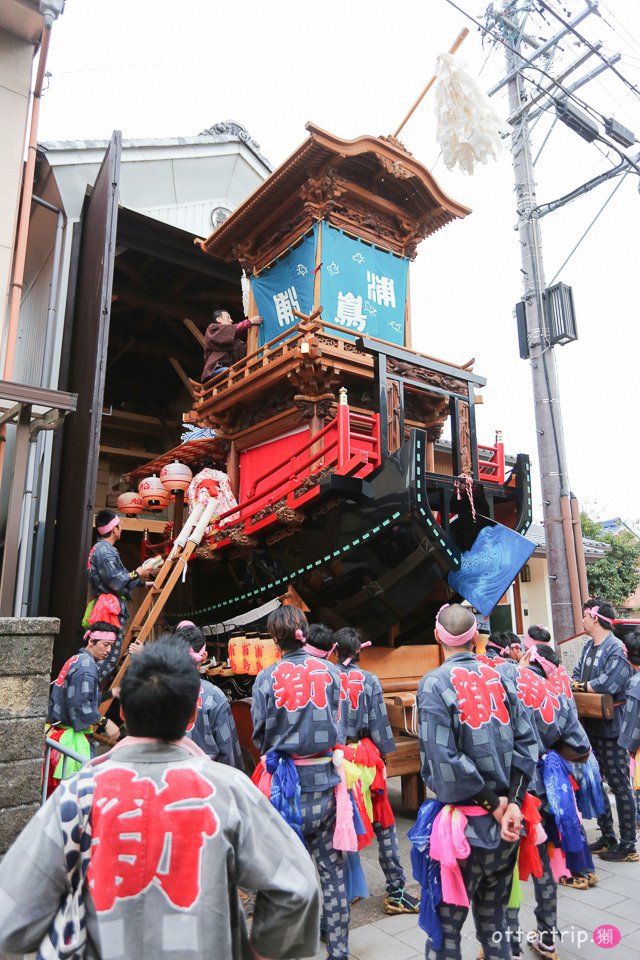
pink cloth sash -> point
(449, 845)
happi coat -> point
(75, 693)
(108, 574)
(629, 737)
(607, 669)
(474, 737)
(363, 710)
(295, 710)
(174, 836)
(214, 729)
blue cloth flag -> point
(363, 288)
(286, 286)
(489, 567)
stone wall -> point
(26, 648)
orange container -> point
(251, 652)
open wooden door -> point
(85, 349)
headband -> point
(449, 639)
(108, 527)
(346, 662)
(316, 651)
(184, 623)
(100, 635)
(534, 657)
(491, 643)
(199, 655)
(530, 641)
(593, 612)
(299, 636)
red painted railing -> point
(350, 444)
(491, 462)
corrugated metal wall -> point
(32, 327)
(193, 217)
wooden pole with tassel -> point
(459, 39)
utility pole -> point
(554, 479)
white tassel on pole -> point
(468, 128)
(245, 293)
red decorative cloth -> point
(106, 609)
(529, 861)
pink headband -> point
(108, 527)
(530, 641)
(299, 636)
(593, 612)
(506, 649)
(316, 651)
(100, 635)
(199, 655)
(443, 636)
(547, 666)
(185, 623)
(367, 643)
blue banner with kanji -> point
(286, 286)
(363, 289)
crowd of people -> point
(143, 851)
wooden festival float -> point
(329, 430)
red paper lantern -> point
(175, 476)
(130, 504)
(153, 493)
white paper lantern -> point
(175, 476)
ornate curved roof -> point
(371, 185)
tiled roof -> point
(593, 549)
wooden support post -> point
(317, 280)
(177, 366)
(233, 470)
(517, 603)
(178, 512)
(408, 339)
(430, 456)
(253, 333)
(194, 330)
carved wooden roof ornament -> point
(371, 187)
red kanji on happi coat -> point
(62, 676)
(483, 658)
(560, 682)
(351, 686)
(481, 696)
(538, 694)
(198, 709)
(297, 684)
(143, 835)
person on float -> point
(108, 575)
(157, 839)
(369, 739)
(225, 342)
(73, 703)
(603, 668)
(478, 753)
(629, 738)
(214, 729)
(295, 710)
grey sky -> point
(167, 69)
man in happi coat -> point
(369, 739)
(108, 575)
(295, 710)
(163, 837)
(214, 729)
(74, 700)
(603, 668)
(478, 754)
(544, 690)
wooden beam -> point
(194, 330)
(126, 452)
(183, 376)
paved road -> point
(615, 900)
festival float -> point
(317, 475)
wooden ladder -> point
(157, 595)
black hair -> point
(349, 642)
(193, 636)
(539, 634)
(604, 607)
(102, 519)
(159, 691)
(102, 625)
(320, 636)
(217, 314)
(548, 653)
(504, 638)
(632, 643)
(283, 624)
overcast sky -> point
(167, 69)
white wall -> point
(535, 595)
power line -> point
(600, 211)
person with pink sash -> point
(478, 753)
